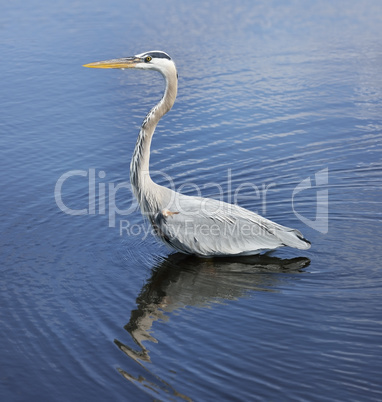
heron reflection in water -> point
(181, 281)
(177, 218)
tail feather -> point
(293, 238)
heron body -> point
(193, 225)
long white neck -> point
(140, 179)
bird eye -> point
(148, 59)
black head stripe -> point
(158, 55)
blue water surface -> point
(273, 97)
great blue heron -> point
(193, 225)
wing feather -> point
(209, 227)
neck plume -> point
(140, 179)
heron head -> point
(153, 60)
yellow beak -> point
(126, 62)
